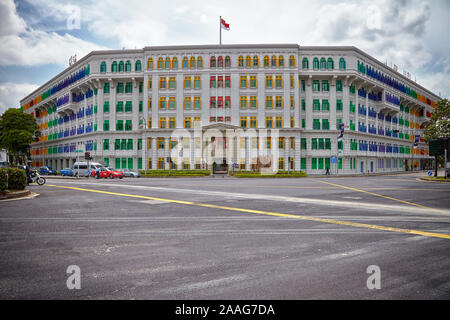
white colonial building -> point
(282, 102)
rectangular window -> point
(160, 143)
(150, 83)
(338, 85)
(253, 103)
(172, 83)
(253, 122)
(303, 123)
(253, 82)
(325, 124)
(303, 105)
(212, 82)
(220, 82)
(243, 122)
(243, 83)
(227, 82)
(278, 82)
(303, 163)
(269, 82)
(327, 144)
(106, 106)
(325, 105)
(117, 160)
(316, 124)
(128, 106)
(279, 122)
(162, 122)
(161, 163)
(314, 163)
(292, 81)
(292, 122)
(172, 103)
(303, 84)
(320, 163)
(106, 87)
(119, 88)
(119, 125)
(339, 105)
(316, 85)
(106, 125)
(279, 102)
(162, 82)
(106, 144)
(128, 125)
(130, 144)
(269, 102)
(197, 104)
(325, 85)
(172, 122)
(129, 87)
(123, 144)
(141, 106)
(292, 101)
(162, 103)
(139, 145)
(119, 106)
(303, 144)
(316, 105)
(281, 142)
(269, 122)
(187, 83)
(197, 82)
(243, 104)
(187, 122)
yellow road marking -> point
(377, 195)
(268, 213)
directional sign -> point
(430, 173)
(333, 159)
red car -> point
(107, 173)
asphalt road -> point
(228, 238)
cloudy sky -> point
(38, 36)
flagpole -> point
(220, 30)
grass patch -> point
(439, 179)
(279, 174)
(174, 173)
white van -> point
(81, 168)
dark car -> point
(47, 170)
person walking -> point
(327, 172)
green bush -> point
(17, 179)
(175, 173)
(279, 174)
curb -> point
(15, 195)
(434, 181)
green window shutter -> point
(106, 161)
(130, 163)
(314, 163)
(327, 163)
(303, 123)
(313, 144)
(130, 144)
(119, 106)
(106, 144)
(106, 106)
(117, 146)
(327, 144)
(119, 125)
(95, 127)
(320, 163)
(117, 166)
(123, 145)
(316, 105)
(340, 145)
(340, 163)
(303, 163)
(139, 146)
(124, 163)
(303, 144)
(128, 106)
(141, 106)
(106, 125)
(139, 163)
(128, 125)
(321, 144)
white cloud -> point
(24, 46)
(12, 93)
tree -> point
(439, 126)
(17, 131)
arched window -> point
(167, 64)
(241, 62)
(121, 66)
(220, 62)
(323, 63)
(266, 62)
(227, 62)
(292, 62)
(342, 64)
(128, 66)
(255, 61)
(305, 63)
(174, 63)
(274, 61)
(103, 66)
(212, 62)
(199, 62)
(137, 66)
(330, 64)
(192, 62)
(281, 61)
(248, 62)
(316, 63)
(185, 63)
(149, 64)
(160, 63)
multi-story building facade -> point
(134, 108)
